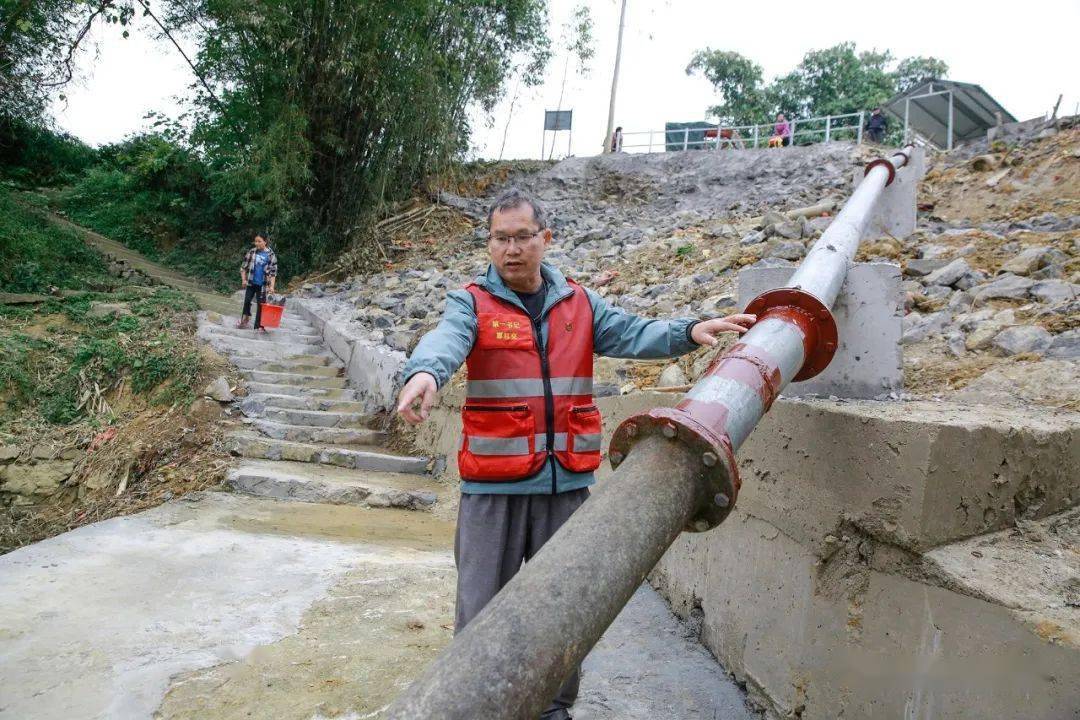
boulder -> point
(104, 309)
(1066, 345)
(919, 267)
(8, 452)
(788, 229)
(948, 274)
(818, 225)
(1027, 261)
(787, 251)
(1054, 291)
(672, 376)
(219, 390)
(35, 481)
(917, 327)
(753, 238)
(982, 335)
(1021, 339)
(1004, 286)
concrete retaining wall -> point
(372, 370)
(819, 591)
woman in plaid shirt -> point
(258, 273)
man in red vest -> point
(531, 432)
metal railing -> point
(803, 132)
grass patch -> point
(153, 222)
(36, 255)
(62, 364)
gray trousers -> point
(495, 535)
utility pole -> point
(615, 81)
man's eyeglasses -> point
(520, 238)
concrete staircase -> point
(305, 435)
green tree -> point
(739, 82)
(913, 70)
(38, 42)
(317, 112)
(832, 81)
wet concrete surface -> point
(222, 607)
(650, 665)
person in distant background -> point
(876, 125)
(781, 132)
(616, 140)
(258, 273)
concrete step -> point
(319, 484)
(251, 445)
(287, 378)
(261, 401)
(317, 418)
(333, 394)
(288, 322)
(271, 335)
(230, 317)
(266, 349)
(287, 366)
(318, 435)
(322, 359)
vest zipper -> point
(549, 398)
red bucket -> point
(270, 315)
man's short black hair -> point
(513, 198)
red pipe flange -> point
(810, 315)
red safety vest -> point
(513, 385)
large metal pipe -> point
(675, 470)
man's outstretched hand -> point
(705, 332)
(420, 388)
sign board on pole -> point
(558, 119)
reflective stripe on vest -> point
(527, 387)
(585, 442)
(505, 412)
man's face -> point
(517, 245)
(260, 242)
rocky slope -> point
(991, 272)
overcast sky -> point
(1023, 55)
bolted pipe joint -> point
(811, 316)
(716, 474)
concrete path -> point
(102, 621)
(223, 606)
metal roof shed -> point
(945, 111)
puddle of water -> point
(346, 523)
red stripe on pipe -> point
(753, 366)
(710, 414)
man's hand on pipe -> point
(705, 332)
(421, 389)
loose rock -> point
(672, 376)
(1022, 339)
(219, 390)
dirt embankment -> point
(101, 411)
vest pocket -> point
(498, 442)
(583, 439)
